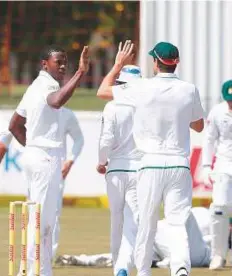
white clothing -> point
(197, 223)
(43, 174)
(5, 135)
(117, 146)
(197, 227)
(116, 141)
(173, 186)
(70, 127)
(164, 109)
(122, 195)
(218, 139)
(42, 164)
(43, 121)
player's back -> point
(124, 147)
(164, 112)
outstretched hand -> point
(125, 53)
(84, 60)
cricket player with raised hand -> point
(165, 110)
(218, 139)
(117, 151)
(36, 125)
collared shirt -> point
(165, 107)
(116, 143)
(218, 137)
(43, 121)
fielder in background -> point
(70, 127)
(5, 138)
(36, 125)
(165, 110)
(117, 150)
(218, 138)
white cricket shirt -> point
(70, 127)
(218, 138)
(165, 107)
(42, 120)
(116, 141)
(5, 135)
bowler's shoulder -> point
(186, 85)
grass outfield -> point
(83, 99)
(83, 231)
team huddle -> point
(144, 149)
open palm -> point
(125, 53)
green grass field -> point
(83, 99)
(83, 231)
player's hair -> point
(166, 68)
(48, 50)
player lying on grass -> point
(198, 234)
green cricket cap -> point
(227, 90)
(166, 53)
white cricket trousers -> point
(121, 191)
(173, 185)
(56, 230)
(221, 208)
(43, 173)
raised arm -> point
(59, 98)
(124, 56)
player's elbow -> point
(54, 101)
(198, 126)
(16, 123)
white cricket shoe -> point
(217, 262)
